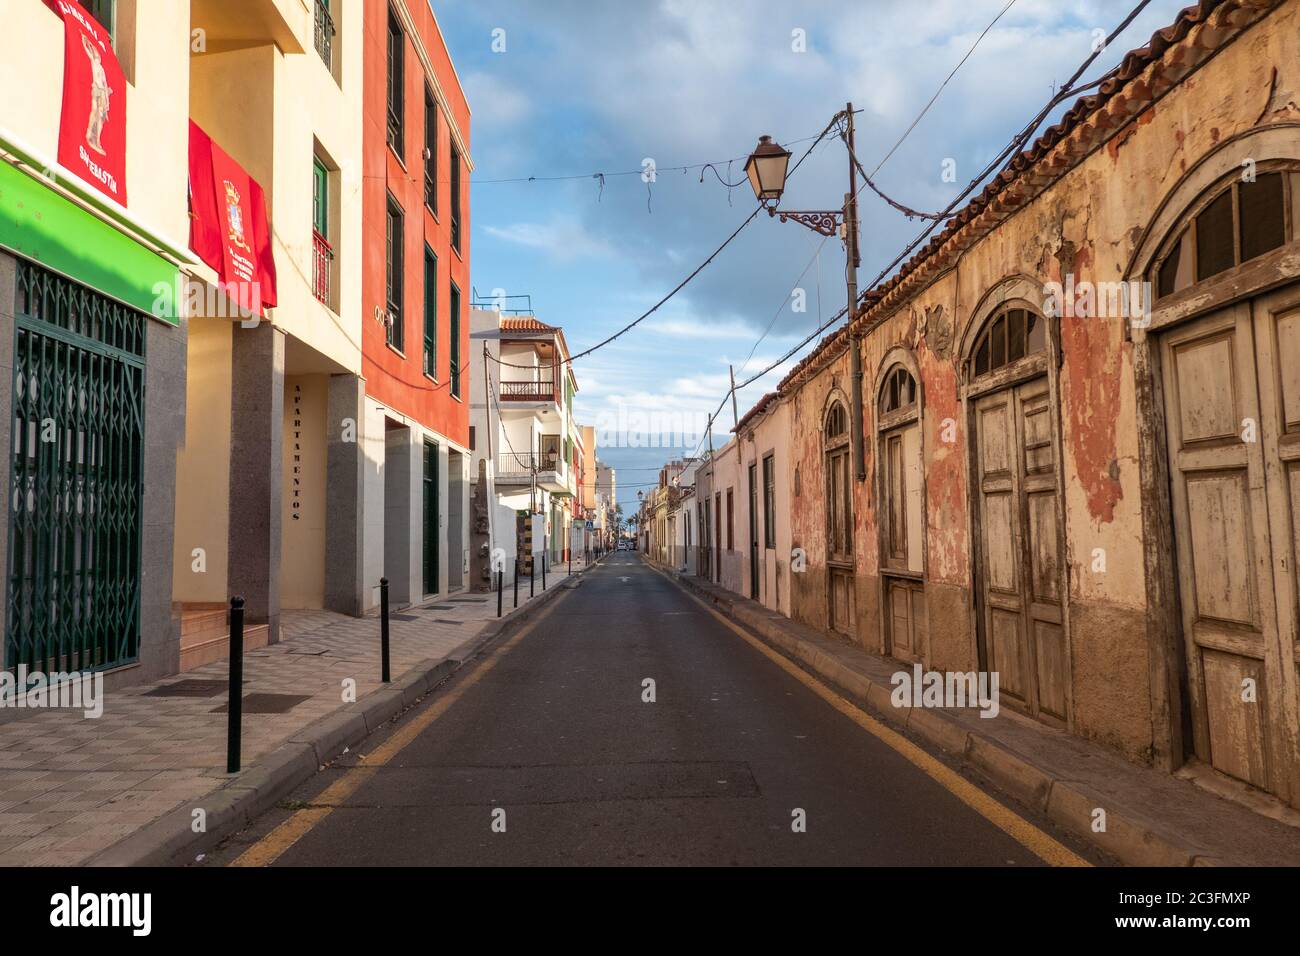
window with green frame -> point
(320, 215)
(453, 363)
(430, 313)
(396, 274)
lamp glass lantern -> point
(766, 169)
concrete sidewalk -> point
(123, 789)
(1151, 817)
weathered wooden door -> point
(839, 513)
(1021, 569)
(1232, 419)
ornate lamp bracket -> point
(826, 222)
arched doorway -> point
(1017, 520)
(1218, 380)
(901, 508)
(839, 517)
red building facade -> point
(415, 291)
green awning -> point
(40, 224)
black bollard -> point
(516, 580)
(235, 707)
(543, 567)
(383, 628)
(500, 583)
(532, 575)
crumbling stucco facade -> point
(1060, 459)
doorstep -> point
(1152, 818)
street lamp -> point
(766, 168)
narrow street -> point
(553, 730)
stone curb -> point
(171, 839)
(1130, 837)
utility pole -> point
(851, 274)
(735, 415)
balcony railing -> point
(322, 257)
(325, 33)
(520, 465)
(533, 391)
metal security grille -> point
(76, 458)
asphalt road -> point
(555, 733)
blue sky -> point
(582, 88)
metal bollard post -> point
(383, 628)
(235, 706)
(516, 580)
(500, 583)
(532, 575)
(543, 568)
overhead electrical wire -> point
(1067, 90)
(758, 207)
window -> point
(837, 423)
(430, 152)
(324, 30)
(769, 502)
(839, 490)
(731, 521)
(103, 11)
(430, 313)
(396, 274)
(1011, 335)
(454, 331)
(455, 198)
(1240, 223)
(899, 391)
(396, 79)
(322, 251)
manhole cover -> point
(189, 688)
(267, 703)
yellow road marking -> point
(1015, 826)
(268, 849)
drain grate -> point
(446, 620)
(403, 617)
(189, 688)
(439, 607)
(267, 703)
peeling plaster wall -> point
(1086, 225)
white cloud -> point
(564, 238)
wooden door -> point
(1232, 420)
(753, 532)
(1021, 569)
(839, 520)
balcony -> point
(325, 30)
(322, 260)
(530, 391)
(519, 469)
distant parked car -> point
(624, 546)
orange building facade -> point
(415, 304)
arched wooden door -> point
(839, 519)
(1018, 516)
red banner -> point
(92, 127)
(228, 225)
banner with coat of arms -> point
(92, 126)
(228, 225)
